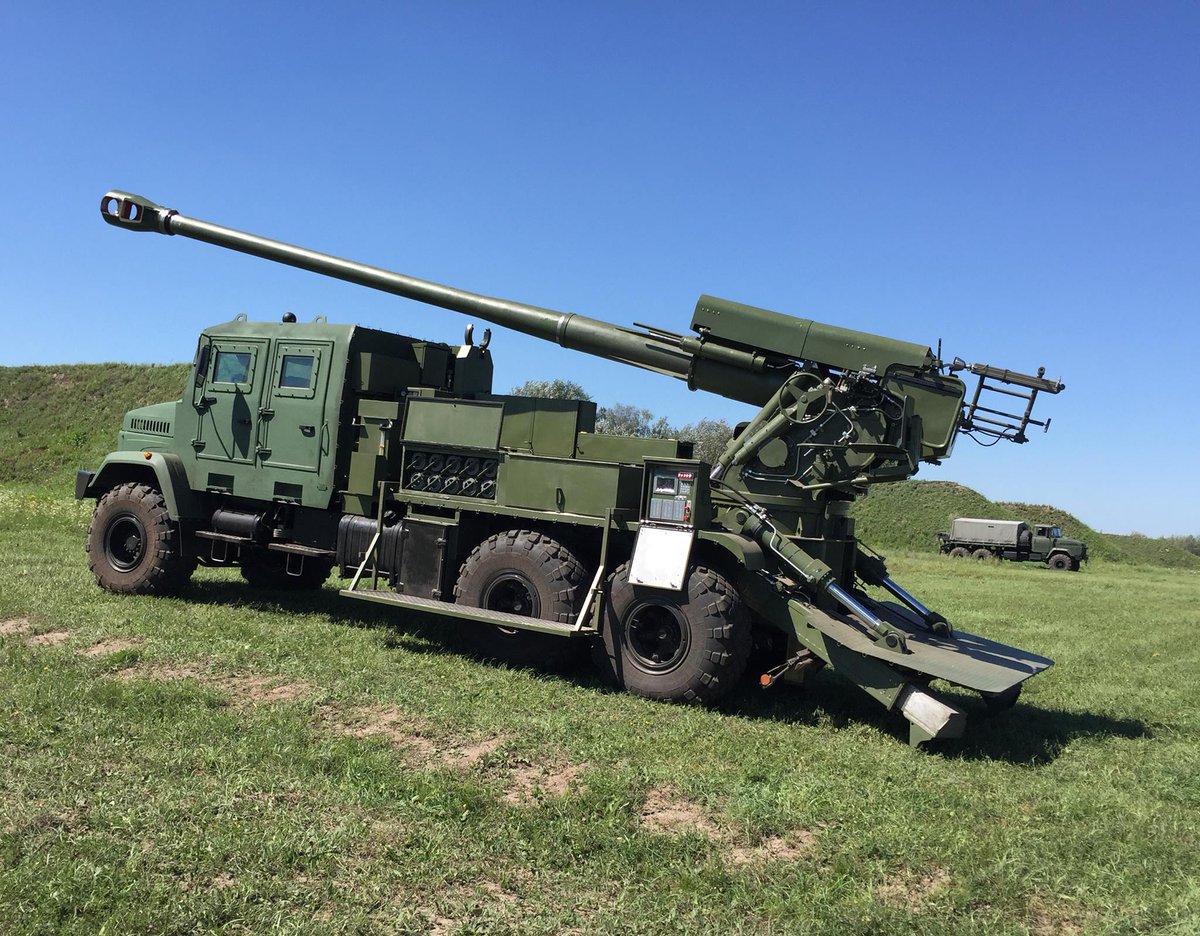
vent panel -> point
(155, 426)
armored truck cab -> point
(273, 457)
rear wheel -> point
(959, 552)
(686, 646)
(1060, 561)
(134, 548)
(981, 554)
(527, 573)
(265, 568)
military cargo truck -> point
(299, 448)
(1013, 540)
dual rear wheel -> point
(686, 646)
(527, 573)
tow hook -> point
(800, 664)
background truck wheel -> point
(133, 546)
(959, 552)
(524, 572)
(981, 554)
(1060, 561)
(268, 569)
(686, 646)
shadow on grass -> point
(1025, 734)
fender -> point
(166, 471)
(743, 549)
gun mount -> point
(408, 445)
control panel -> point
(675, 503)
(675, 493)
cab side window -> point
(232, 367)
(296, 373)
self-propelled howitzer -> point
(297, 447)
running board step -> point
(295, 549)
(465, 612)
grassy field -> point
(250, 762)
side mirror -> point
(200, 368)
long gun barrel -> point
(738, 351)
(733, 372)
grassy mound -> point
(909, 514)
(54, 420)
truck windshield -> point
(1055, 532)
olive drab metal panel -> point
(294, 431)
(227, 403)
(459, 423)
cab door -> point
(228, 399)
(295, 434)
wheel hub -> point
(658, 637)
(125, 542)
(513, 593)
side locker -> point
(427, 551)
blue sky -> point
(1019, 180)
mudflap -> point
(900, 680)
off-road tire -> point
(1060, 561)
(524, 572)
(959, 552)
(133, 545)
(265, 568)
(981, 554)
(687, 646)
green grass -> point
(134, 802)
(56, 419)
(247, 762)
(1151, 550)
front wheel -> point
(686, 646)
(133, 546)
(1061, 562)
